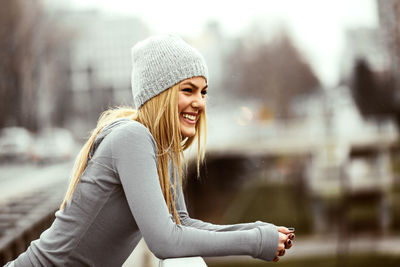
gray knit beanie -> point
(161, 61)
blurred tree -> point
(274, 72)
(374, 93)
(9, 60)
(28, 68)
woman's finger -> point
(283, 230)
(276, 259)
(288, 243)
(292, 236)
(281, 249)
(282, 253)
(283, 237)
(281, 246)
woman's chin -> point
(188, 133)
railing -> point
(183, 262)
(23, 219)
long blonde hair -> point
(160, 116)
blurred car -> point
(54, 145)
(15, 144)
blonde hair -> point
(160, 116)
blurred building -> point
(214, 46)
(389, 18)
(355, 163)
(100, 61)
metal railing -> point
(24, 218)
(183, 262)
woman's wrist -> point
(269, 241)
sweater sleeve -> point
(134, 159)
(188, 221)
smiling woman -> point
(127, 180)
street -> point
(19, 179)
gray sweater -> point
(119, 200)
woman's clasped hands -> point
(286, 237)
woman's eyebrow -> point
(193, 85)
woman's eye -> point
(187, 90)
(204, 92)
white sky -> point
(317, 26)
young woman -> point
(126, 183)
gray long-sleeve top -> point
(119, 200)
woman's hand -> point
(286, 238)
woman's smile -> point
(189, 117)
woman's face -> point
(191, 101)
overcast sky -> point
(317, 26)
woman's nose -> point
(199, 102)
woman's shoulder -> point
(128, 127)
(123, 132)
(127, 130)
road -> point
(20, 179)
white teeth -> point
(189, 117)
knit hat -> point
(161, 61)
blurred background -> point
(303, 114)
